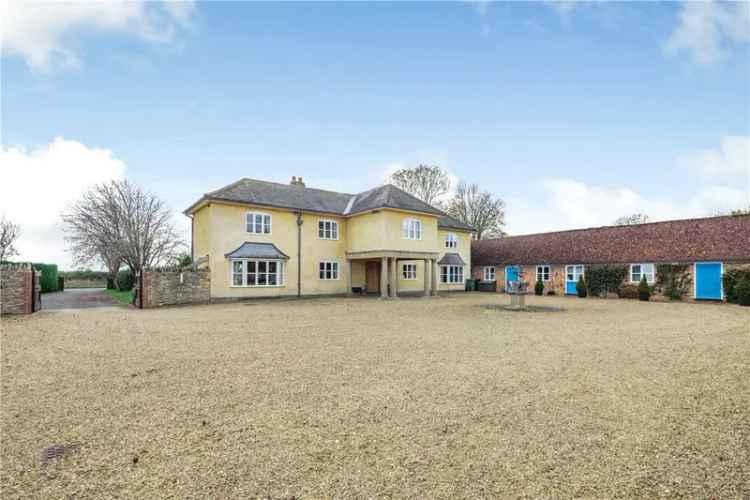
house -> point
(707, 247)
(267, 239)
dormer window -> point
(451, 240)
(258, 223)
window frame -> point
(484, 273)
(409, 271)
(411, 229)
(332, 224)
(448, 277)
(280, 274)
(548, 273)
(255, 213)
(576, 274)
(335, 269)
(451, 240)
(641, 273)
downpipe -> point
(299, 254)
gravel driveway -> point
(358, 398)
(78, 298)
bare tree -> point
(119, 223)
(426, 182)
(629, 220)
(9, 233)
(478, 208)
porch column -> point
(384, 277)
(394, 277)
(427, 276)
(435, 273)
(351, 266)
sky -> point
(573, 113)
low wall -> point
(17, 295)
(169, 288)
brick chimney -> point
(297, 181)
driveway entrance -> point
(78, 298)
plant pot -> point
(644, 296)
(582, 294)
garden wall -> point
(169, 288)
(20, 289)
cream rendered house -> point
(267, 239)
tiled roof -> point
(296, 197)
(452, 259)
(725, 238)
(252, 250)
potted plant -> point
(742, 289)
(539, 288)
(581, 287)
(644, 291)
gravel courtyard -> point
(350, 398)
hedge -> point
(732, 278)
(48, 279)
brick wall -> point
(16, 295)
(168, 288)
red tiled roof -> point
(725, 238)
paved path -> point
(77, 298)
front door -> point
(511, 275)
(372, 277)
(572, 273)
(708, 281)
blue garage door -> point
(708, 280)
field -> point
(354, 398)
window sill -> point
(257, 286)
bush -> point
(742, 289)
(644, 291)
(627, 291)
(601, 280)
(673, 280)
(581, 287)
(48, 279)
(539, 288)
(732, 279)
(125, 280)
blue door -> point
(511, 275)
(572, 274)
(708, 280)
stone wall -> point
(16, 295)
(168, 288)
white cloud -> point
(554, 204)
(44, 33)
(706, 27)
(39, 184)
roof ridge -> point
(287, 185)
(612, 226)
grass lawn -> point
(122, 297)
(362, 398)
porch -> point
(379, 272)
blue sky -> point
(574, 113)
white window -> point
(328, 230)
(451, 274)
(258, 223)
(254, 273)
(573, 273)
(638, 271)
(542, 273)
(328, 270)
(412, 229)
(451, 240)
(488, 273)
(409, 271)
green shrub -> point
(732, 278)
(581, 287)
(602, 279)
(673, 280)
(125, 280)
(644, 291)
(742, 290)
(539, 288)
(627, 291)
(48, 280)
